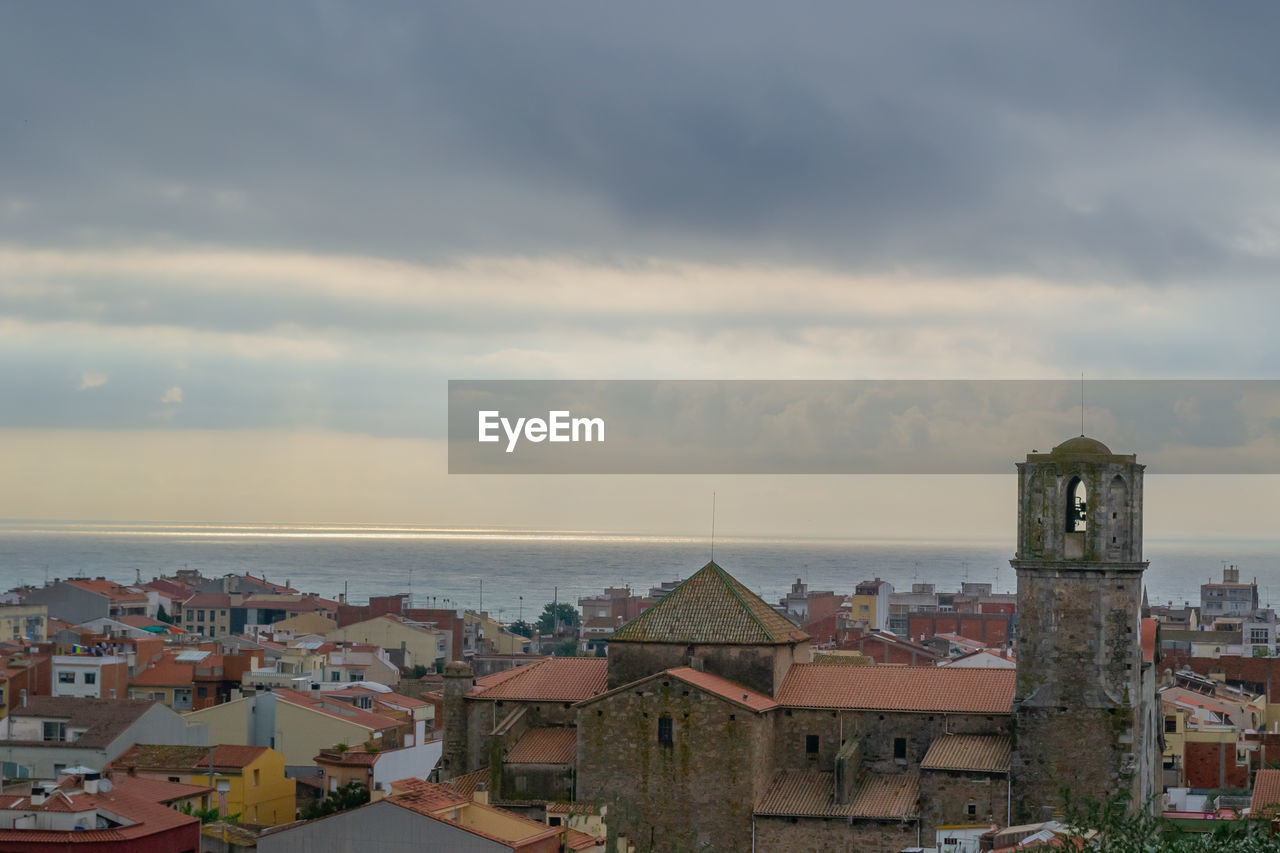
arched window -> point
(1077, 506)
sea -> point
(513, 573)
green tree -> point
(564, 613)
(567, 649)
(1110, 827)
(419, 671)
(163, 616)
(209, 815)
(521, 627)
(349, 796)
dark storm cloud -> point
(1081, 140)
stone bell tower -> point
(1081, 715)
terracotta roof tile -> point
(1266, 794)
(465, 786)
(710, 607)
(576, 840)
(103, 720)
(337, 708)
(1149, 628)
(549, 680)
(557, 745)
(177, 756)
(987, 753)
(208, 599)
(423, 797)
(167, 672)
(724, 688)
(155, 790)
(809, 793)
(151, 817)
(111, 590)
(899, 688)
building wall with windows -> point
(678, 768)
(105, 677)
(25, 623)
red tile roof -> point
(208, 599)
(423, 797)
(1149, 628)
(177, 756)
(111, 590)
(558, 745)
(986, 753)
(711, 607)
(465, 786)
(436, 801)
(336, 708)
(724, 688)
(155, 790)
(549, 680)
(576, 840)
(899, 688)
(809, 793)
(103, 720)
(151, 818)
(1266, 794)
(168, 672)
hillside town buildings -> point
(695, 717)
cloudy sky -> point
(243, 247)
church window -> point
(900, 749)
(1077, 506)
(665, 735)
(972, 809)
(811, 746)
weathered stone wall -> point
(456, 758)
(1080, 667)
(484, 715)
(1081, 750)
(876, 732)
(526, 782)
(945, 796)
(759, 667)
(696, 794)
(824, 835)
(630, 662)
(1113, 501)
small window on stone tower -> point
(811, 746)
(900, 749)
(664, 731)
(1077, 506)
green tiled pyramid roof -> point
(710, 607)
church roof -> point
(986, 753)
(711, 607)
(810, 793)
(1081, 445)
(944, 690)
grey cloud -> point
(862, 136)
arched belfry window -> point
(1077, 506)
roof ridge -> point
(730, 582)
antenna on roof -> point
(713, 527)
(1082, 402)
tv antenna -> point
(1082, 402)
(713, 527)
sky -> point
(244, 247)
